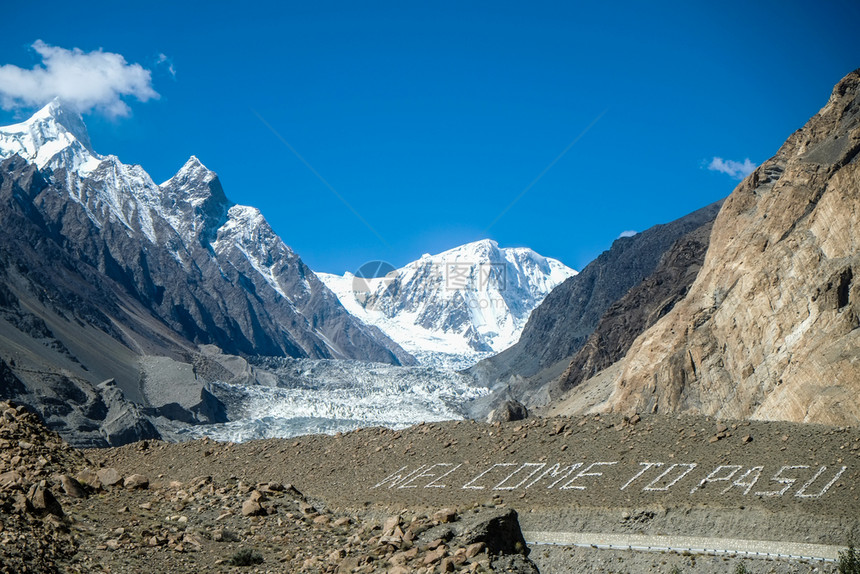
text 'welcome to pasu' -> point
(799, 480)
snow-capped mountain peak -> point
(456, 307)
(192, 171)
(69, 118)
(193, 201)
(53, 137)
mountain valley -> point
(187, 394)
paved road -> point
(693, 544)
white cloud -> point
(89, 81)
(735, 169)
(628, 233)
(163, 59)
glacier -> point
(305, 396)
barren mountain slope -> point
(769, 329)
(440, 497)
(61, 513)
(594, 317)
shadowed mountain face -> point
(64, 326)
(99, 267)
(769, 329)
(642, 306)
(559, 327)
(214, 272)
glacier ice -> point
(329, 396)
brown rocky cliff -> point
(769, 329)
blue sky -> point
(429, 120)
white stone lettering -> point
(748, 480)
(554, 471)
(537, 467)
(715, 475)
(583, 473)
(689, 468)
(807, 482)
(395, 477)
(802, 492)
(782, 480)
(646, 466)
(471, 483)
(425, 474)
(432, 483)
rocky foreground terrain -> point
(443, 497)
(61, 512)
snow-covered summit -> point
(453, 308)
(53, 137)
(56, 138)
(192, 172)
(193, 201)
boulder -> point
(510, 410)
(108, 476)
(498, 529)
(445, 515)
(136, 481)
(44, 502)
(89, 477)
(252, 508)
(72, 487)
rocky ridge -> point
(96, 331)
(246, 290)
(642, 306)
(561, 326)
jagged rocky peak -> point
(196, 194)
(245, 226)
(246, 215)
(192, 173)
